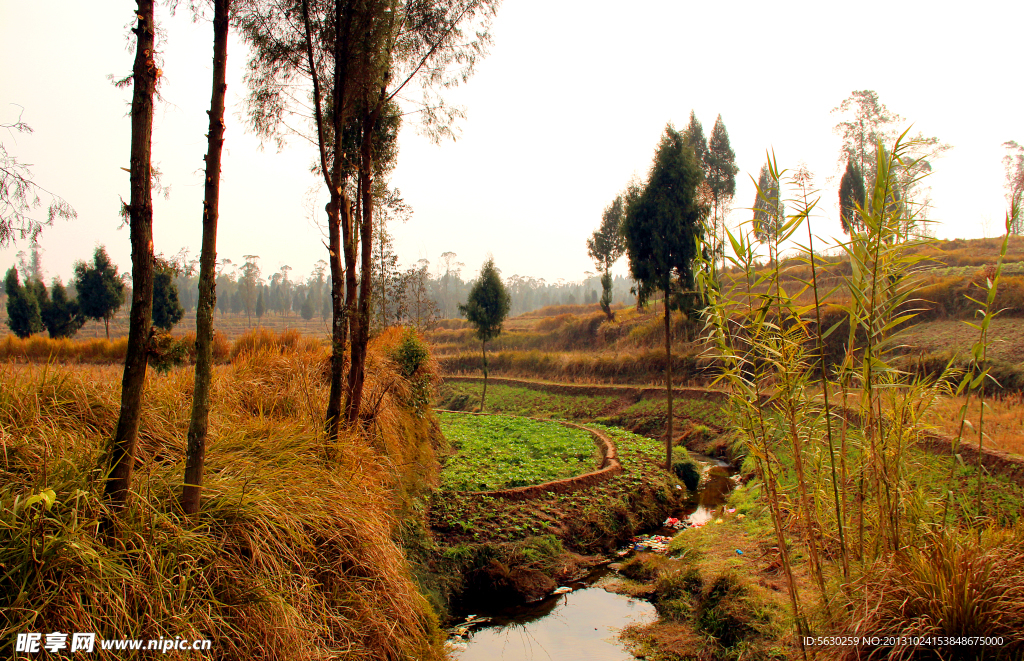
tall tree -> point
(769, 211)
(357, 57)
(167, 311)
(1013, 164)
(694, 134)
(145, 75)
(100, 288)
(61, 315)
(19, 195)
(866, 124)
(720, 170)
(31, 263)
(852, 199)
(486, 309)
(249, 285)
(663, 223)
(605, 246)
(23, 314)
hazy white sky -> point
(570, 103)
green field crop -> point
(498, 452)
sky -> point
(569, 104)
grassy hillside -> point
(293, 555)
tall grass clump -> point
(835, 442)
(292, 555)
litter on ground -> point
(656, 543)
(678, 524)
(562, 590)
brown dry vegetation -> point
(1003, 421)
(292, 555)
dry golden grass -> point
(292, 555)
(1003, 421)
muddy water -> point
(721, 478)
(583, 624)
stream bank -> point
(582, 619)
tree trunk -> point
(668, 381)
(360, 323)
(339, 213)
(106, 325)
(199, 423)
(140, 215)
(483, 397)
(339, 210)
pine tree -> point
(100, 289)
(23, 315)
(694, 134)
(769, 211)
(167, 311)
(486, 308)
(605, 246)
(851, 198)
(61, 315)
(664, 221)
(721, 177)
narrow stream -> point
(584, 624)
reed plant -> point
(831, 423)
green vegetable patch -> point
(499, 452)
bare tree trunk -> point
(339, 218)
(199, 423)
(483, 397)
(140, 214)
(360, 322)
(668, 380)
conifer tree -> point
(486, 308)
(61, 315)
(23, 315)
(605, 246)
(694, 134)
(721, 172)
(100, 288)
(851, 198)
(664, 220)
(167, 310)
(769, 211)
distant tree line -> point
(96, 292)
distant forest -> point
(416, 296)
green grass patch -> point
(596, 519)
(518, 400)
(498, 452)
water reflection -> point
(580, 625)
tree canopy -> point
(167, 311)
(61, 315)
(23, 315)
(664, 220)
(851, 198)
(488, 303)
(20, 196)
(605, 246)
(769, 211)
(720, 170)
(100, 288)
